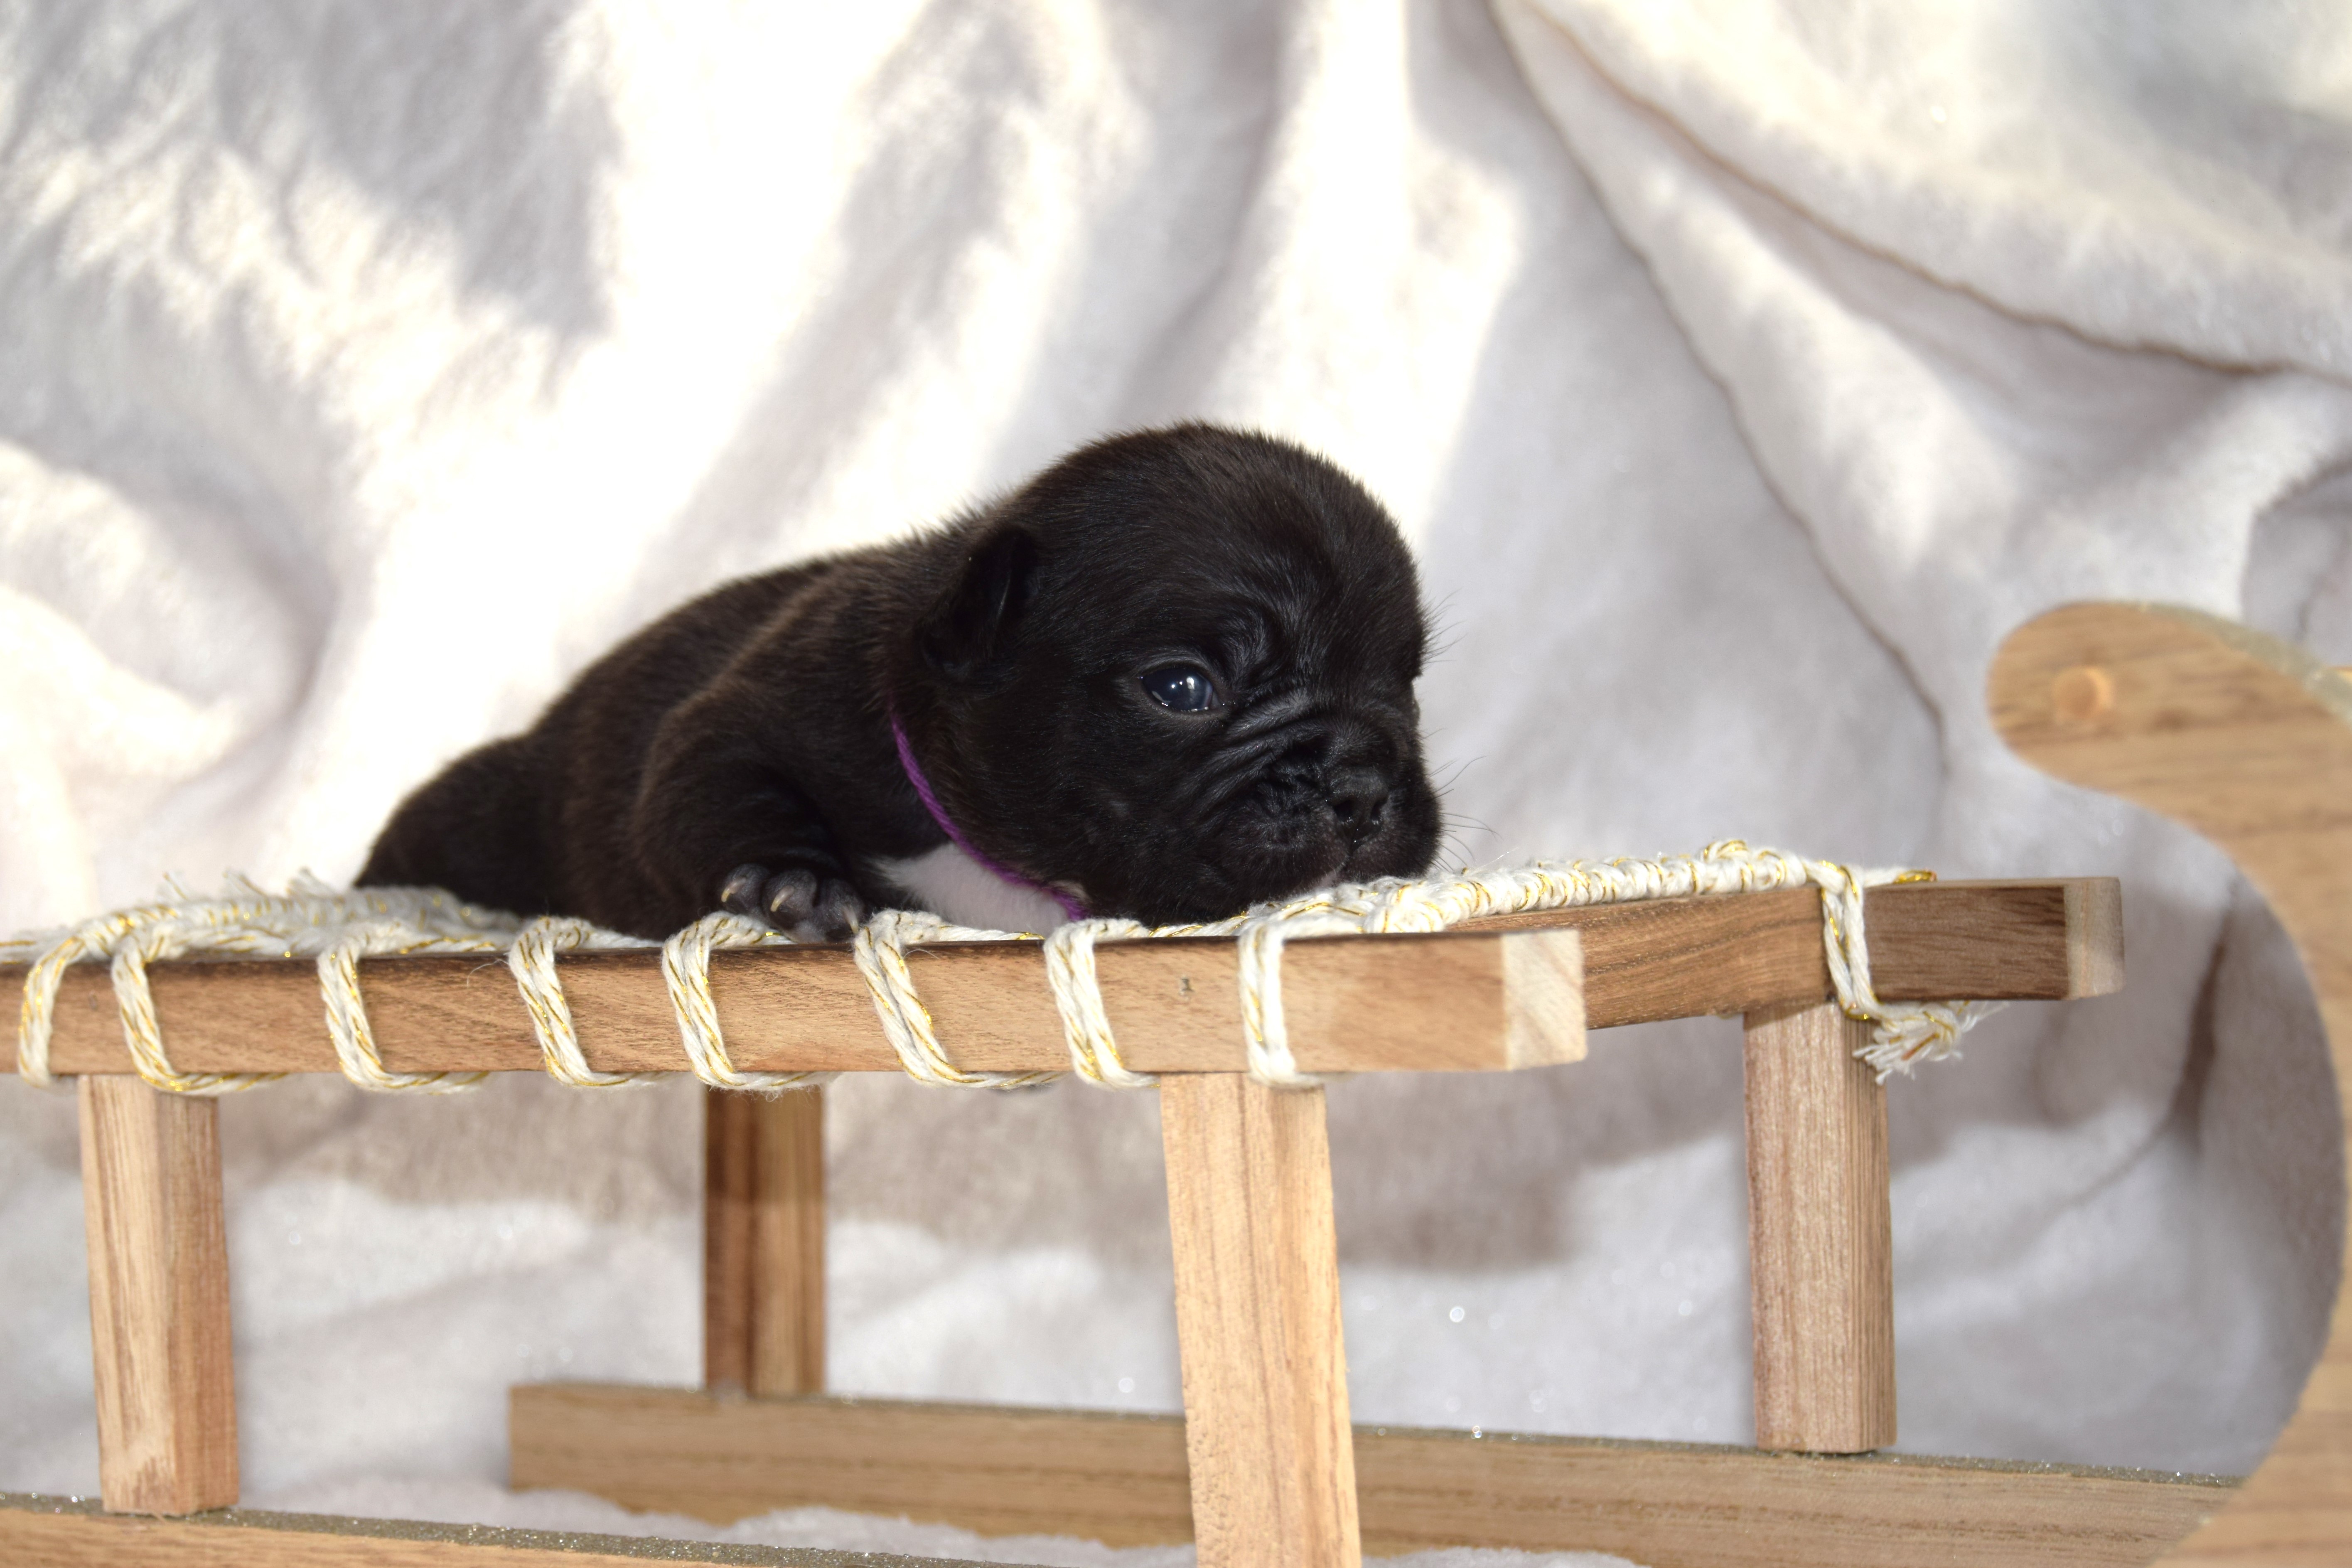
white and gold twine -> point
(339, 928)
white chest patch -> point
(950, 883)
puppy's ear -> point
(971, 624)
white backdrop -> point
(1741, 374)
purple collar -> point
(1070, 906)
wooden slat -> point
(2043, 940)
(1821, 1238)
(1258, 1319)
(2249, 741)
(1439, 1003)
(158, 1298)
(998, 1469)
(1674, 1506)
(1472, 1000)
(70, 1532)
(763, 1241)
(1121, 1480)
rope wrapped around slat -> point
(339, 928)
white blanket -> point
(1741, 374)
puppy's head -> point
(1175, 675)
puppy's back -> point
(527, 823)
(473, 829)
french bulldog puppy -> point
(1169, 677)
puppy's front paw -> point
(800, 903)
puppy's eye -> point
(1181, 687)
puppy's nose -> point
(1357, 795)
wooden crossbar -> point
(1501, 993)
(1122, 1479)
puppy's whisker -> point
(1444, 632)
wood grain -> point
(1821, 1237)
(730, 1153)
(763, 1241)
(998, 1469)
(1543, 998)
(2249, 741)
(1440, 1002)
(70, 1532)
(1435, 1003)
(158, 1298)
(2048, 939)
(1257, 1321)
(1121, 1480)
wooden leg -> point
(763, 1241)
(1257, 1316)
(729, 1150)
(1819, 1238)
(151, 1187)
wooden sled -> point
(2233, 734)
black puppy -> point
(1169, 677)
